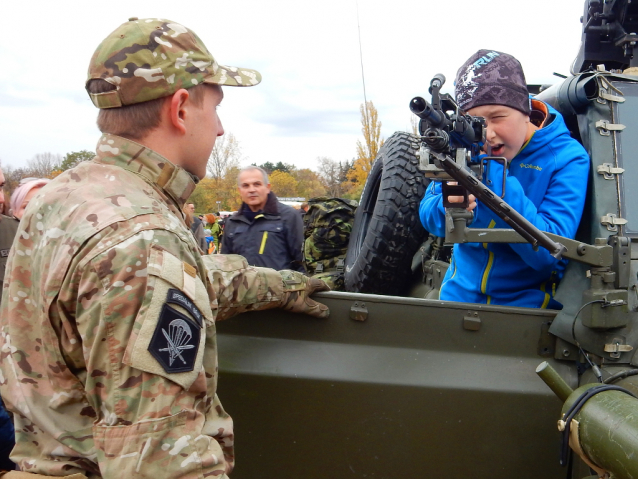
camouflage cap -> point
(152, 58)
(492, 78)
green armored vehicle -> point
(398, 384)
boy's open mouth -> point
(496, 150)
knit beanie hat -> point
(492, 78)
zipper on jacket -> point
(263, 242)
(547, 295)
(543, 288)
(488, 268)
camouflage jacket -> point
(107, 338)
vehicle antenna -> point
(363, 79)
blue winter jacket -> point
(546, 183)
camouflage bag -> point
(327, 227)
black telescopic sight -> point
(437, 82)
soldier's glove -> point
(297, 291)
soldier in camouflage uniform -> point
(107, 340)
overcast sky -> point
(307, 105)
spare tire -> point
(387, 230)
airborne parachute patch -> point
(175, 341)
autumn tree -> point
(210, 191)
(367, 149)
(309, 184)
(283, 184)
(74, 158)
(226, 154)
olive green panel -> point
(406, 393)
(602, 199)
(626, 113)
(608, 427)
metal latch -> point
(614, 349)
(612, 221)
(610, 97)
(608, 171)
(604, 127)
(319, 268)
(341, 264)
(604, 89)
(471, 321)
(358, 311)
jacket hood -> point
(554, 127)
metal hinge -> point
(612, 221)
(608, 171)
(604, 127)
(358, 311)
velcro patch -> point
(177, 297)
(175, 341)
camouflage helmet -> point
(152, 58)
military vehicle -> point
(398, 384)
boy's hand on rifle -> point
(459, 199)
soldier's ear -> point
(178, 109)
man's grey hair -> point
(253, 167)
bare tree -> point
(42, 165)
(330, 173)
(226, 154)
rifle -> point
(451, 143)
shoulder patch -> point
(177, 297)
(175, 341)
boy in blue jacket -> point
(546, 182)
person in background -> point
(215, 232)
(264, 231)
(196, 225)
(8, 229)
(24, 193)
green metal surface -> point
(555, 382)
(406, 393)
(608, 430)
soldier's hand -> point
(297, 291)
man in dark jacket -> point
(264, 231)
